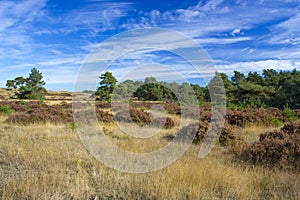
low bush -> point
(173, 108)
(134, 115)
(262, 116)
(289, 114)
(102, 105)
(165, 122)
(278, 148)
(104, 116)
(200, 130)
(6, 110)
(35, 111)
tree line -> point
(270, 89)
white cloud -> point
(94, 17)
(258, 66)
(236, 32)
(12, 12)
(287, 32)
(223, 40)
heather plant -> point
(134, 115)
(277, 148)
(166, 123)
(199, 131)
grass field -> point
(47, 161)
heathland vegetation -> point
(257, 155)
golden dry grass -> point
(46, 161)
(250, 133)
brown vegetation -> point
(262, 116)
(277, 148)
(46, 161)
(45, 158)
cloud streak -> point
(55, 36)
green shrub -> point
(73, 126)
(288, 113)
(276, 121)
(6, 110)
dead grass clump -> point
(277, 148)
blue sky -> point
(57, 36)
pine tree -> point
(32, 87)
(107, 85)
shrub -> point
(103, 105)
(17, 106)
(276, 121)
(199, 132)
(260, 116)
(173, 108)
(278, 148)
(6, 110)
(167, 122)
(104, 116)
(134, 115)
(35, 111)
(289, 114)
(73, 126)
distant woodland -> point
(270, 89)
(253, 90)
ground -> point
(49, 161)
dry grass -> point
(250, 133)
(50, 162)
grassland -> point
(48, 161)
(44, 160)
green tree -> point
(150, 79)
(154, 91)
(237, 77)
(254, 77)
(248, 94)
(31, 87)
(107, 85)
(288, 91)
(126, 89)
(271, 77)
(199, 92)
(11, 84)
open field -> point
(48, 161)
(52, 97)
(43, 160)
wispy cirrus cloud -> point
(287, 32)
(57, 36)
